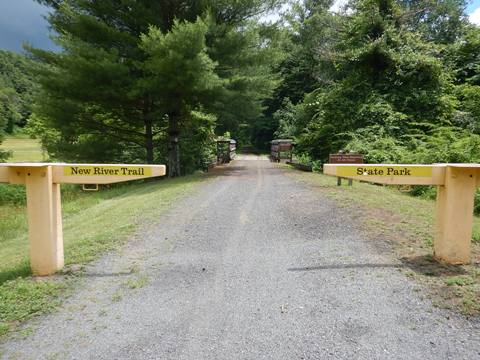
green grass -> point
(93, 224)
(137, 282)
(23, 149)
(407, 223)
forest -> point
(141, 81)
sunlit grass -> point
(23, 149)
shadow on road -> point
(105, 275)
(425, 265)
(346, 266)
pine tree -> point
(98, 93)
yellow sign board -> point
(106, 171)
(385, 170)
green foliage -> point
(440, 21)
(442, 144)
(17, 87)
(462, 57)
(131, 74)
(384, 86)
(305, 159)
(468, 114)
(15, 195)
(198, 147)
(12, 194)
(285, 117)
(377, 146)
(24, 298)
(178, 69)
(447, 144)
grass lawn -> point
(93, 224)
(23, 149)
(406, 224)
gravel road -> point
(253, 266)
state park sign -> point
(389, 174)
(455, 193)
(420, 171)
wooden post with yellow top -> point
(454, 208)
(42, 181)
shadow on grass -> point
(426, 265)
(21, 270)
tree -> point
(17, 87)
(385, 75)
(98, 92)
(306, 42)
(440, 21)
(178, 76)
(9, 109)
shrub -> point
(12, 194)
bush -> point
(15, 195)
(12, 194)
(305, 159)
(376, 145)
(424, 191)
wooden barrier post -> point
(454, 208)
(44, 209)
(44, 221)
(454, 218)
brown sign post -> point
(345, 158)
(44, 209)
(279, 148)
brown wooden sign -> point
(285, 147)
(345, 159)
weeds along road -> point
(254, 266)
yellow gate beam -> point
(454, 207)
(42, 181)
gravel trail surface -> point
(253, 266)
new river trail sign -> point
(42, 181)
(454, 208)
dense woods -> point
(395, 80)
(158, 81)
(17, 87)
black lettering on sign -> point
(80, 171)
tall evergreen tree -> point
(94, 92)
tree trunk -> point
(173, 147)
(149, 141)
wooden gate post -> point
(454, 218)
(44, 206)
(455, 198)
(44, 220)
